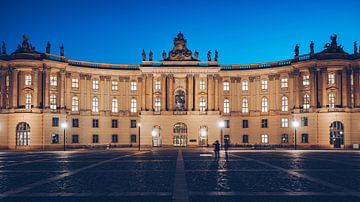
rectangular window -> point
(245, 123)
(55, 122)
(75, 139)
(133, 138)
(114, 123)
(55, 139)
(74, 104)
(95, 123)
(226, 106)
(202, 85)
(245, 85)
(28, 101)
(133, 105)
(306, 80)
(75, 123)
(284, 83)
(157, 85)
(95, 84)
(132, 123)
(74, 83)
(114, 105)
(227, 123)
(202, 104)
(264, 123)
(226, 86)
(95, 139)
(331, 78)
(264, 84)
(304, 138)
(114, 85)
(264, 138)
(133, 86)
(157, 104)
(245, 139)
(114, 138)
(332, 100)
(245, 106)
(284, 122)
(53, 102)
(53, 80)
(28, 80)
(284, 138)
(304, 121)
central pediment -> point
(180, 51)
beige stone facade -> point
(180, 101)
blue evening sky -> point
(242, 31)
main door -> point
(337, 134)
(203, 136)
(180, 135)
(156, 136)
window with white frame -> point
(157, 104)
(284, 122)
(53, 80)
(27, 101)
(202, 104)
(226, 106)
(28, 80)
(264, 84)
(114, 105)
(264, 104)
(202, 85)
(245, 106)
(133, 105)
(264, 138)
(284, 83)
(74, 83)
(157, 85)
(95, 104)
(306, 104)
(284, 104)
(306, 80)
(245, 85)
(52, 101)
(114, 85)
(133, 86)
(331, 78)
(331, 100)
(226, 86)
(75, 104)
(95, 84)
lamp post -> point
(295, 126)
(64, 126)
(139, 127)
(221, 125)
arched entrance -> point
(156, 136)
(203, 136)
(180, 100)
(337, 134)
(22, 134)
(180, 135)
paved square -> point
(179, 175)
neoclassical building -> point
(179, 100)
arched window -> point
(264, 104)
(306, 104)
(75, 104)
(157, 104)
(95, 104)
(284, 104)
(27, 101)
(226, 106)
(331, 100)
(245, 106)
(133, 105)
(114, 105)
(202, 104)
(23, 134)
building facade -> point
(179, 100)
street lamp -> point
(64, 126)
(295, 126)
(139, 127)
(221, 125)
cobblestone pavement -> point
(179, 175)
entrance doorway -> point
(156, 136)
(337, 134)
(180, 135)
(23, 134)
(203, 136)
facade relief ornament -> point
(180, 51)
(25, 47)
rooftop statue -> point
(3, 47)
(180, 52)
(196, 55)
(62, 50)
(216, 55)
(143, 54)
(25, 46)
(333, 47)
(355, 48)
(48, 45)
(311, 47)
(209, 55)
(296, 50)
(150, 55)
(164, 55)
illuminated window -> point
(53, 80)
(264, 84)
(245, 106)
(306, 104)
(28, 80)
(226, 86)
(202, 85)
(157, 84)
(133, 105)
(27, 101)
(75, 83)
(226, 106)
(114, 85)
(284, 104)
(306, 80)
(202, 104)
(245, 85)
(133, 86)
(284, 83)
(331, 100)
(264, 104)
(75, 104)
(284, 138)
(114, 105)
(157, 104)
(264, 138)
(95, 104)
(284, 122)
(331, 78)
(95, 84)
(52, 101)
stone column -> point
(88, 92)
(356, 88)
(345, 87)
(62, 89)
(68, 99)
(324, 97)
(313, 89)
(190, 90)
(210, 93)
(143, 93)
(35, 76)
(15, 76)
(170, 81)
(196, 93)
(216, 92)
(296, 89)
(272, 92)
(277, 96)
(46, 87)
(163, 92)
(151, 88)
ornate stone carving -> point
(62, 50)
(180, 51)
(296, 50)
(209, 55)
(143, 54)
(196, 55)
(180, 100)
(333, 47)
(150, 55)
(68, 74)
(3, 48)
(164, 55)
(216, 55)
(355, 48)
(25, 47)
(311, 47)
(48, 45)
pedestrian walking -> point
(216, 149)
